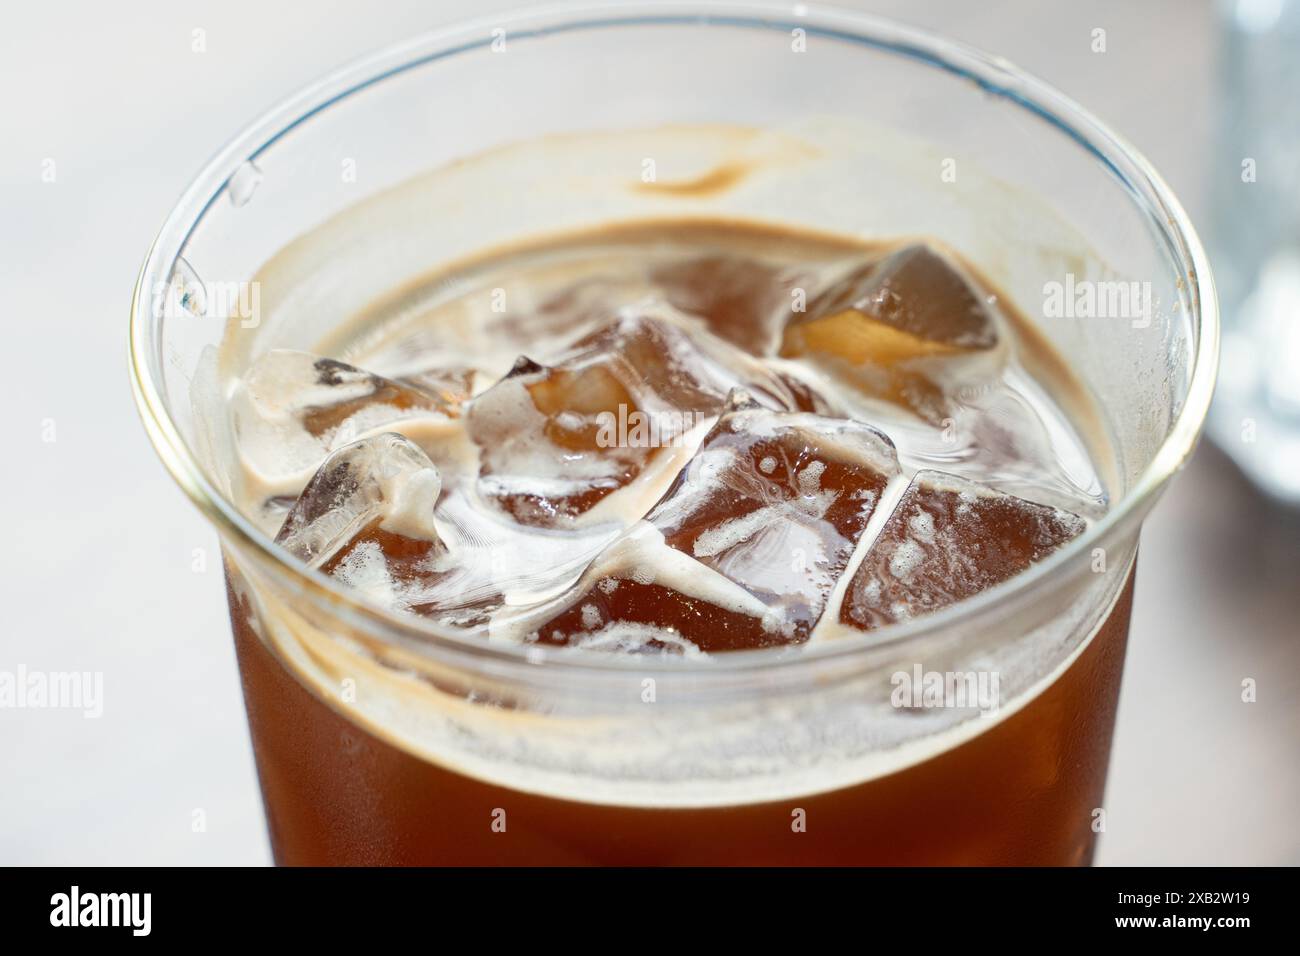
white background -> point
(98, 562)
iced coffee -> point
(686, 441)
(650, 438)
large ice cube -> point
(293, 408)
(744, 301)
(376, 517)
(644, 596)
(367, 518)
(946, 540)
(380, 489)
(622, 410)
(910, 328)
(450, 386)
(746, 546)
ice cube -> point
(294, 408)
(747, 545)
(659, 355)
(374, 517)
(805, 398)
(545, 457)
(380, 489)
(645, 597)
(329, 394)
(744, 301)
(651, 618)
(946, 540)
(449, 385)
(622, 409)
(578, 308)
(775, 502)
(910, 328)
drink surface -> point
(681, 437)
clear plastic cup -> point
(380, 739)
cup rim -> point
(995, 75)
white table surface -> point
(98, 568)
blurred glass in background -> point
(1254, 240)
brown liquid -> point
(1022, 793)
(900, 344)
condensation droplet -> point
(243, 182)
(188, 288)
